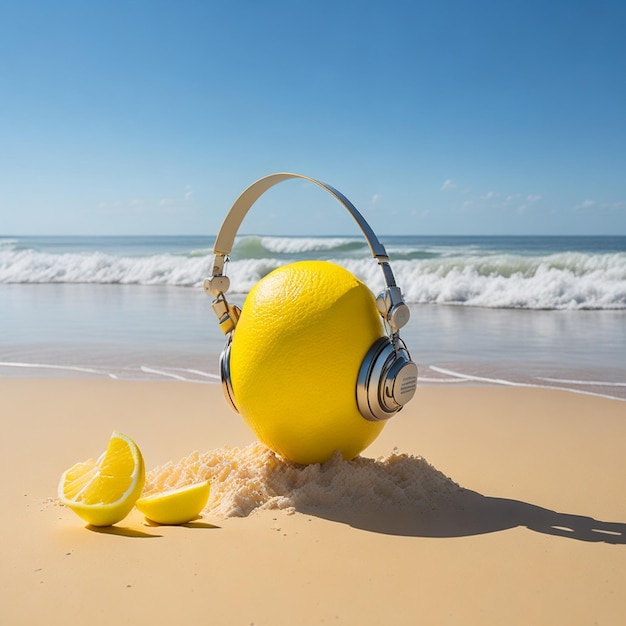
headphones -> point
(387, 377)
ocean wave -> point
(568, 280)
(256, 246)
(559, 281)
(30, 266)
(8, 243)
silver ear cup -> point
(387, 380)
(227, 385)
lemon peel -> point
(175, 506)
(295, 356)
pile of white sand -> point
(247, 479)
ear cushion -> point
(227, 384)
(387, 380)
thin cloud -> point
(497, 201)
(150, 204)
(589, 204)
(617, 206)
(585, 204)
(448, 184)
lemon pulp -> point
(103, 492)
(296, 352)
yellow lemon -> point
(175, 506)
(103, 492)
(296, 352)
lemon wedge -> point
(103, 492)
(175, 506)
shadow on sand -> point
(121, 531)
(470, 513)
(402, 494)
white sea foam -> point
(7, 243)
(65, 368)
(584, 383)
(143, 372)
(566, 280)
(295, 245)
(511, 383)
(30, 266)
(160, 372)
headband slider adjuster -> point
(216, 285)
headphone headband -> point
(218, 284)
(226, 237)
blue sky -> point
(484, 117)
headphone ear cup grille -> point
(227, 385)
(386, 382)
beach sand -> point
(535, 533)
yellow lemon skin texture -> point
(103, 492)
(295, 356)
(176, 506)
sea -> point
(506, 311)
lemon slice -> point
(103, 492)
(176, 506)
